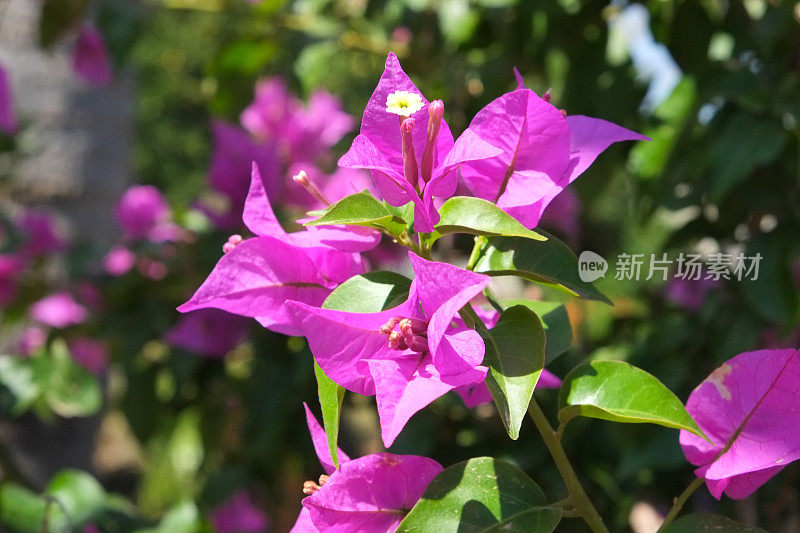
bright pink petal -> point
(256, 278)
(90, 58)
(371, 494)
(59, 311)
(333, 265)
(230, 170)
(209, 332)
(378, 148)
(304, 523)
(403, 387)
(534, 139)
(392, 189)
(8, 117)
(271, 110)
(91, 354)
(348, 239)
(239, 515)
(589, 137)
(322, 244)
(750, 399)
(547, 380)
(258, 215)
(320, 440)
(119, 260)
(468, 147)
(340, 340)
(443, 290)
(474, 394)
(459, 355)
(383, 128)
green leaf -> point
(702, 523)
(361, 209)
(515, 357)
(557, 327)
(620, 392)
(331, 396)
(481, 495)
(465, 214)
(405, 212)
(744, 144)
(24, 510)
(549, 262)
(69, 389)
(78, 494)
(16, 375)
(369, 293)
(184, 517)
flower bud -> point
(435, 114)
(233, 242)
(410, 169)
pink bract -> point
(747, 408)
(90, 59)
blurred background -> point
(124, 156)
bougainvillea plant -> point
(409, 341)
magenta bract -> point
(747, 408)
(143, 213)
(257, 276)
(208, 332)
(239, 515)
(8, 117)
(542, 152)
(409, 364)
(378, 148)
(365, 494)
(58, 310)
(90, 59)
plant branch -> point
(679, 502)
(406, 240)
(583, 506)
(476, 252)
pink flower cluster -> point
(282, 137)
(519, 152)
(41, 240)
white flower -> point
(404, 103)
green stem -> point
(406, 240)
(476, 252)
(580, 500)
(680, 501)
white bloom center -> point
(404, 103)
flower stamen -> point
(302, 179)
